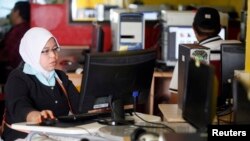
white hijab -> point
(32, 45)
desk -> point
(157, 74)
(173, 117)
(78, 131)
(171, 113)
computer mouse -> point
(149, 137)
(48, 122)
(141, 134)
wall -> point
(237, 4)
(55, 17)
(247, 63)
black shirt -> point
(25, 93)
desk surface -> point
(163, 74)
(77, 130)
(171, 112)
(173, 116)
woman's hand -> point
(37, 116)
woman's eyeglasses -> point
(54, 50)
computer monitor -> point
(179, 34)
(201, 94)
(112, 78)
(232, 58)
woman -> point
(35, 89)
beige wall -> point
(247, 63)
(237, 4)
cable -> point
(156, 123)
(135, 95)
(84, 129)
(110, 102)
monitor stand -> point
(117, 115)
(124, 131)
(116, 132)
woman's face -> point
(49, 55)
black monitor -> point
(111, 78)
(232, 58)
(201, 95)
(179, 34)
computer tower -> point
(128, 29)
(199, 107)
(186, 52)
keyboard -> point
(83, 118)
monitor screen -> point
(181, 35)
(131, 31)
(111, 77)
(232, 58)
(200, 102)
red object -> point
(107, 37)
(55, 18)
